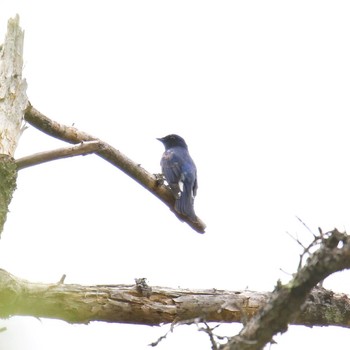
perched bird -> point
(180, 173)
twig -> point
(155, 343)
(307, 227)
(61, 281)
(306, 250)
(296, 239)
(212, 336)
(111, 155)
(83, 148)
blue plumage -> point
(180, 173)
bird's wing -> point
(171, 167)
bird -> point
(180, 173)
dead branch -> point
(113, 156)
(83, 148)
(127, 304)
(287, 304)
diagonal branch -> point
(113, 156)
(285, 304)
(83, 148)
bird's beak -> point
(159, 139)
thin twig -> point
(83, 148)
(207, 329)
(296, 239)
(155, 343)
(307, 227)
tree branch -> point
(286, 302)
(83, 148)
(113, 156)
(129, 304)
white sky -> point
(260, 92)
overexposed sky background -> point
(260, 92)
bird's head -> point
(172, 140)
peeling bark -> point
(129, 304)
(13, 101)
(13, 98)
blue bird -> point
(180, 172)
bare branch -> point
(83, 148)
(208, 330)
(163, 337)
(126, 304)
(113, 156)
(307, 227)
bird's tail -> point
(184, 204)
